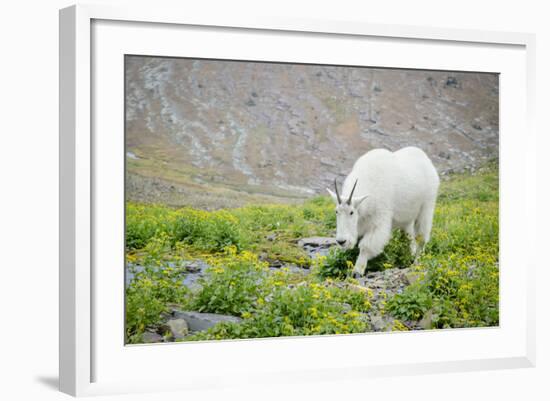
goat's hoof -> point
(356, 275)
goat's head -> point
(347, 217)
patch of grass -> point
(206, 231)
(337, 264)
(148, 296)
(458, 292)
(481, 186)
(232, 284)
(248, 228)
(307, 309)
(283, 251)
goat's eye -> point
(351, 212)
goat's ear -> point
(356, 201)
(333, 196)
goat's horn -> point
(337, 194)
(351, 194)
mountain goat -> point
(385, 190)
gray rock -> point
(275, 264)
(426, 322)
(151, 337)
(271, 237)
(317, 242)
(293, 268)
(197, 321)
(178, 327)
(194, 267)
(360, 288)
(314, 252)
(380, 323)
(346, 307)
(411, 277)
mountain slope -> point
(223, 133)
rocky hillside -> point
(220, 134)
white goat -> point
(385, 190)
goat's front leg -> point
(361, 262)
(371, 245)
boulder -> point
(378, 323)
(178, 327)
(197, 321)
(151, 337)
(322, 242)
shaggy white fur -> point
(393, 190)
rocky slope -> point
(219, 134)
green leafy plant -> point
(307, 309)
(337, 264)
(232, 285)
(147, 297)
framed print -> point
(272, 198)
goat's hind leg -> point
(423, 223)
(409, 230)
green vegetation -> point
(271, 229)
(148, 296)
(456, 286)
(272, 305)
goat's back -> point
(400, 182)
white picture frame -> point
(93, 361)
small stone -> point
(357, 287)
(426, 322)
(380, 323)
(377, 322)
(193, 267)
(452, 81)
(412, 277)
(275, 264)
(151, 337)
(178, 327)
